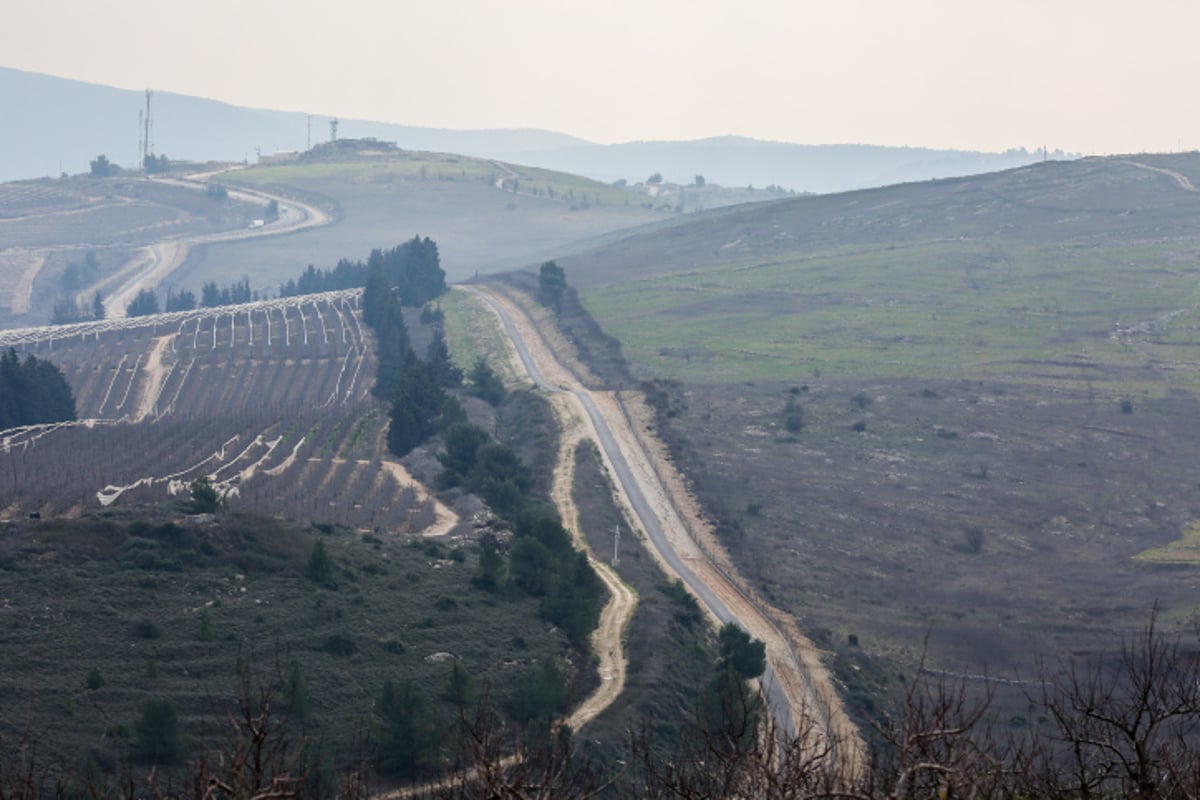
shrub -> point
(319, 568)
(339, 644)
(205, 499)
(205, 631)
(158, 734)
(146, 629)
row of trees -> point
(67, 310)
(543, 563)
(101, 167)
(212, 295)
(413, 269)
(76, 277)
(145, 302)
(32, 391)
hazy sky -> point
(1092, 76)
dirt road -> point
(1179, 178)
(798, 687)
(154, 373)
(444, 518)
(156, 261)
(608, 638)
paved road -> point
(776, 700)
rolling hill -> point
(485, 215)
(962, 408)
(43, 136)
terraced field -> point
(270, 400)
(46, 224)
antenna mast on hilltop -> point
(333, 130)
(308, 144)
(147, 149)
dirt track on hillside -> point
(444, 518)
(158, 260)
(795, 663)
(154, 374)
(607, 639)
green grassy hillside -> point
(959, 407)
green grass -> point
(1184, 551)
(473, 331)
(939, 310)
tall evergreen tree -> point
(417, 406)
(441, 368)
(552, 284)
(383, 314)
(144, 303)
(485, 383)
(408, 736)
(32, 392)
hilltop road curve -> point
(158, 260)
(798, 688)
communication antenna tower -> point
(308, 142)
(147, 148)
(616, 545)
(333, 130)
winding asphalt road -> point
(776, 700)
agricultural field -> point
(117, 594)
(270, 400)
(960, 412)
(47, 224)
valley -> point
(937, 429)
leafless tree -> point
(1129, 727)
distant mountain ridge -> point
(55, 125)
(739, 161)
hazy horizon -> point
(1080, 77)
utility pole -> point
(616, 545)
